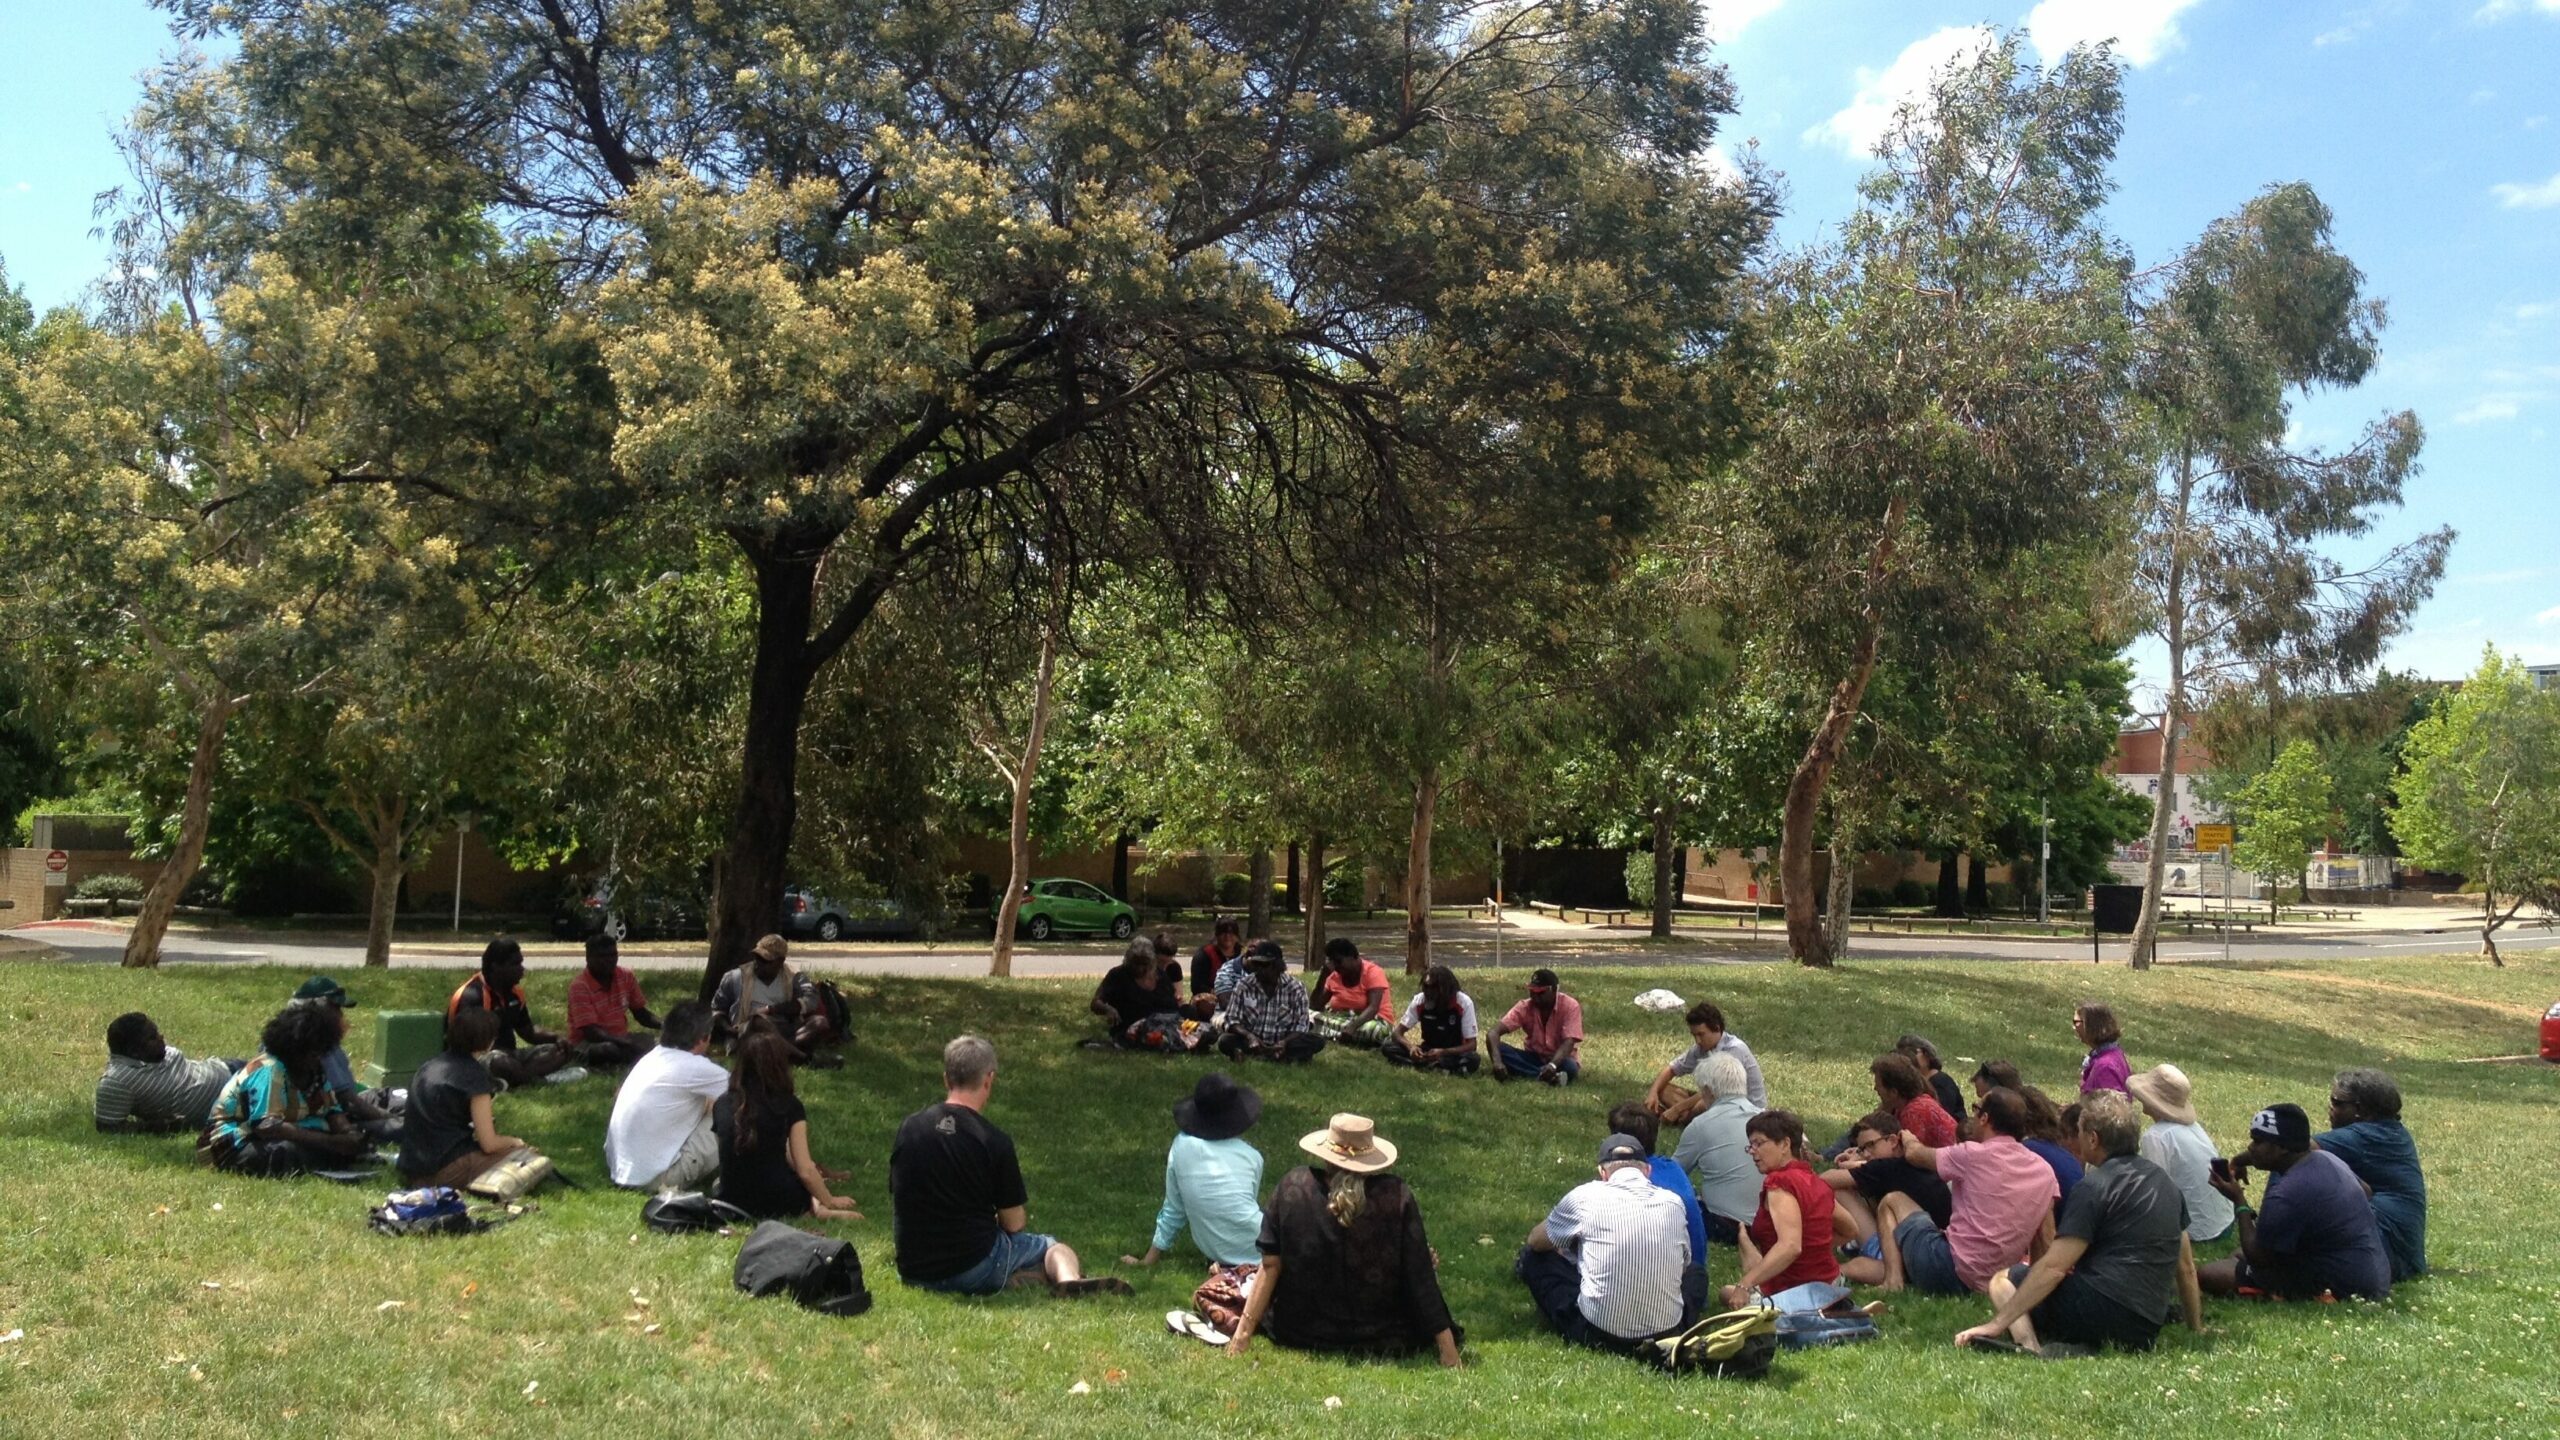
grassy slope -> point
(106, 1245)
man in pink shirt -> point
(1550, 1026)
(2002, 1211)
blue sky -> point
(2432, 129)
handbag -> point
(433, 1210)
(515, 1176)
(818, 1271)
(1732, 1345)
(689, 1212)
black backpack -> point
(687, 1212)
(819, 1271)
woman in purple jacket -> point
(2106, 1068)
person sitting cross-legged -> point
(768, 986)
(763, 1131)
(1267, 1014)
(1549, 1024)
(1353, 999)
(450, 1135)
(1438, 1031)
(1611, 1265)
(1708, 1036)
(2120, 1258)
(1214, 971)
(2002, 1211)
(277, 1115)
(1140, 1005)
(604, 999)
(377, 1111)
(1716, 1151)
(150, 1086)
(2365, 1131)
(499, 990)
(960, 1217)
(660, 1136)
(2318, 1236)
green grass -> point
(110, 1247)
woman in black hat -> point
(1213, 1184)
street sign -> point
(1752, 891)
(57, 868)
(2210, 838)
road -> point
(1465, 943)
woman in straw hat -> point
(1345, 1263)
(2179, 1145)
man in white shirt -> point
(660, 1137)
(1610, 1265)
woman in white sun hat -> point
(2180, 1146)
(1345, 1263)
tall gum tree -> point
(866, 266)
(1944, 382)
(2230, 576)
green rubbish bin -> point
(403, 1040)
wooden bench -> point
(1591, 916)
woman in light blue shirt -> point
(1212, 1177)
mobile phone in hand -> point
(2222, 1169)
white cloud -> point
(2340, 36)
(2529, 197)
(2538, 310)
(1727, 19)
(1860, 124)
(2548, 617)
(2491, 407)
(2501, 9)
(2143, 30)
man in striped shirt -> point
(151, 1087)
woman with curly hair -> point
(278, 1116)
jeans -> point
(1527, 1063)
(1016, 1251)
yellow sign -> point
(2210, 838)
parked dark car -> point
(811, 914)
(610, 906)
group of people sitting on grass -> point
(1243, 1002)
(2078, 1224)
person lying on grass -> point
(604, 999)
(959, 1213)
(2318, 1237)
(1611, 1266)
(2120, 1257)
(1708, 1036)
(1549, 1024)
(450, 1135)
(1346, 1264)
(763, 1130)
(150, 1086)
(1438, 1031)
(1352, 997)
(2002, 1206)
(277, 1116)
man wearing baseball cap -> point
(1610, 1266)
(371, 1111)
(2317, 1236)
(1550, 1026)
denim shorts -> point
(1928, 1263)
(1015, 1251)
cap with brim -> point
(1352, 1143)
(1218, 1108)
(2164, 1091)
(2284, 1124)
(321, 987)
(1619, 1148)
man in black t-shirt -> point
(957, 1202)
(2119, 1263)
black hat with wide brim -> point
(1218, 1108)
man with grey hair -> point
(2119, 1254)
(1610, 1265)
(959, 1211)
(1716, 1153)
(2365, 1131)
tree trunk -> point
(1257, 908)
(1297, 897)
(1804, 787)
(1977, 886)
(1663, 880)
(2173, 704)
(1840, 896)
(1315, 896)
(758, 849)
(2489, 915)
(1000, 954)
(1417, 874)
(388, 865)
(1120, 866)
(151, 925)
(1950, 896)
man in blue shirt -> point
(2364, 1116)
(1637, 1119)
(2318, 1235)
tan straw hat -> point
(2164, 1091)
(1350, 1143)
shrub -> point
(1342, 883)
(1640, 877)
(1870, 897)
(2004, 895)
(1233, 887)
(1913, 892)
(108, 887)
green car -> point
(1057, 907)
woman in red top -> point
(1789, 1242)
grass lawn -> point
(157, 1298)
